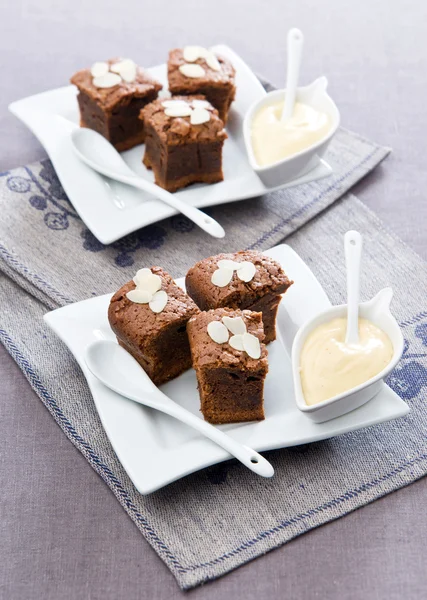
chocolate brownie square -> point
(196, 70)
(230, 360)
(111, 96)
(184, 139)
(246, 280)
(149, 316)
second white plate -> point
(156, 449)
(110, 209)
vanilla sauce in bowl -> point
(329, 366)
(274, 139)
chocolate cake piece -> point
(213, 76)
(111, 105)
(230, 380)
(156, 338)
(184, 139)
(256, 286)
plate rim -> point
(117, 223)
(54, 319)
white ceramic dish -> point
(111, 209)
(156, 450)
(378, 312)
(314, 95)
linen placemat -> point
(47, 249)
(213, 521)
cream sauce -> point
(273, 139)
(329, 366)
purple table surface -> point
(64, 536)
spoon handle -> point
(198, 217)
(100, 155)
(251, 459)
(109, 362)
(295, 46)
(353, 252)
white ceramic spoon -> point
(119, 371)
(295, 46)
(97, 152)
(353, 252)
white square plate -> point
(111, 209)
(175, 450)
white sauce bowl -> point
(298, 164)
(378, 312)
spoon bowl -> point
(97, 152)
(378, 312)
(287, 169)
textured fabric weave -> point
(43, 241)
(211, 522)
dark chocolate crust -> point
(158, 341)
(231, 383)
(181, 153)
(263, 293)
(113, 112)
(217, 86)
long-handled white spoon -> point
(295, 46)
(97, 152)
(353, 252)
(119, 371)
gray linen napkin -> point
(45, 244)
(213, 521)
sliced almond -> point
(159, 301)
(139, 296)
(236, 342)
(218, 332)
(107, 81)
(235, 325)
(99, 69)
(246, 271)
(173, 103)
(199, 116)
(142, 275)
(192, 70)
(202, 104)
(212, 61)
(251, 345)
(129, 75)
(152, 284)
(192, 53)
(124, 63)
(126, 68)
(222, 277)
(203, 52)
(226, 263)
(180, 110)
